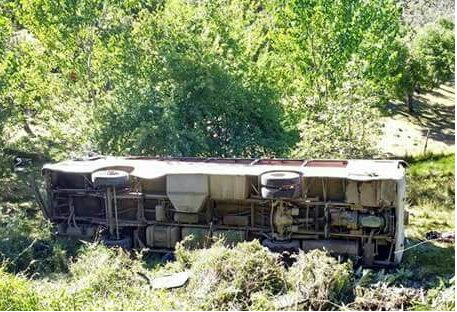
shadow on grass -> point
(430, 114)
(427, 157)
(429, 262)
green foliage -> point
(211, 78)
(210, 114)
(441, 298)
(244, 277)
(382, 297)
(434, 46)
(184, 94)
(334, 60)
(432, 165)
(233, 278)
(346, 126)
(16, 293)
(208, 78)
(26, 241)
(426, 59)
(5, 33)
(205, 98)
(37, 119)
(37, 112)
(323, 38)
(431, 194)
(26, 245)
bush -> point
(231, 279)
(245, 277)
(99, 279)
(26, 242)
(249, 277)
(320, 281)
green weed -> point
(16, 293)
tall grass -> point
(17, 293)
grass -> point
(432, 164)
(41, 272)
(16, 293)
(431, 195)
(431, 198)
(27, 243)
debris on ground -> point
(447, 237)
(172, 281)
(385, 298)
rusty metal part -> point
(333, 246)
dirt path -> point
(405, 133)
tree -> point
(345, 127)
(321, 45)
(317, 39)
(174, 77)
(434, 47)
(205, 94)
(426, 60)
(201, 78)
(37, 113)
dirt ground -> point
(405, 133)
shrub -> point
(442, 298)
(320, 281)
(99, 279)
(232, 278)
(26, 243)
(249, 277)
(102, 278)
(382, 297)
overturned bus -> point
(352, 208)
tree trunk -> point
(28, 129)
(409, 102)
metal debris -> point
(172, 281)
